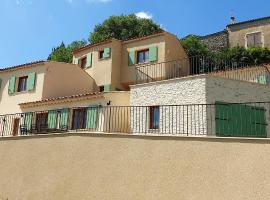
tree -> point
(123, 27)
(194, 47)
(63, 53)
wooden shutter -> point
(250, 40)
(153, 54)
(131, 58)
(89, 60)
(28, 120)
(52, 118)
(64, 117)
(12, 84)
(91, 117)
(31, 81)
(258, 39)
(107, 53)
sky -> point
(31, 28)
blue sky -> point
(30, 28)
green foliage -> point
(254, 55)
(194, 47)
(63, 53)
(123, 27)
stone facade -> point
(216, 41)
(194, 119)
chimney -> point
(232, 20)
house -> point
(51, 95)
(251, 33)
(113, 63)
(212, 104)
(48, 92)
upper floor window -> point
(22, 84)
(83, 62)
(254, 39)
(101, 54)
(143, 56)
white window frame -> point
(253, 32)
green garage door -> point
(238, 120)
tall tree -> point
(193, 46)
(63, 53)
(123, 27)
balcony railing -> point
(202, 65)
(220, 119)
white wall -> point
(194, 119)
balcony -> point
(203, 65)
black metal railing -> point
(219, 119)
(201, 65)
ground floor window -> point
(78, 120)
(154, 117)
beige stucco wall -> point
(101, 70)
(53, 79)
(63, 79)
(9, 103)
(175, 51)
(128, 73)
(237, 35)
(117, 72)
(127, 167)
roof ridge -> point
(22, 65)
(248, 21)
(112, 38)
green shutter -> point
(11, 86)
(89, 60)
(0, 83)
(28, 120)
(153, 54)
(91, 117)
(64, 116)
(262, 79)
(52, 118)
(107, 53)
(31, 81)
(107, 88)
(237, 120)
(75, 61)
(131, 58)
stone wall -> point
(193, 119)
(216, 41)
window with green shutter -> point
(107, 53)
(64, 117)
(11, 85)
(131, 58)
(52, 119)
(262, 79)
(153, 54)
(91, 117)
(107, 88)
(89, 60)
(31, 81)
(28, 120)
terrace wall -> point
(89, 166)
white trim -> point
(249, 33)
